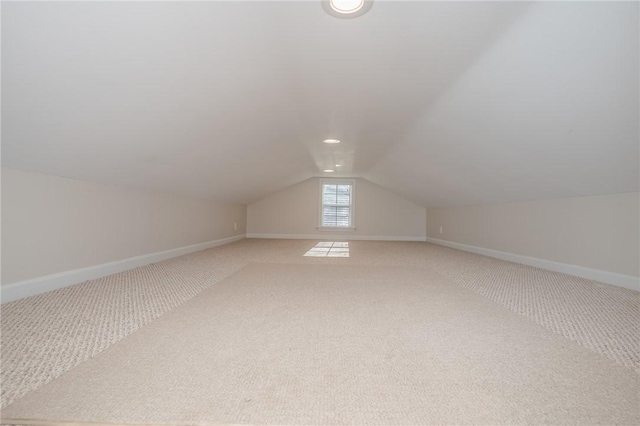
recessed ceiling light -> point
(328, 170)
(337, 165)
(346, 8)
(331, 141)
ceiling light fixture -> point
(331, 141)
(346, 8)
(328, 170)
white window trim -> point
(337, 181)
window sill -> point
(335, 228)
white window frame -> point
(337, 181)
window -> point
(336, 202)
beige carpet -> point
(44, 336)
(330, 344)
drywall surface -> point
(377, 213)
(600, 232)
(52, 224)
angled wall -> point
(598, 233)
(54, 225)
(293, 213)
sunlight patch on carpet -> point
(329, 249)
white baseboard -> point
(336, 237)
(620, 280)
(22, 289)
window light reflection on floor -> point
(329, 249)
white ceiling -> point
(446, 103)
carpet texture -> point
(329, 344)
(44, 336)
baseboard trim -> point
(620, 280)
(337, 237)
(26, 288)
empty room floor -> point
(255, 332)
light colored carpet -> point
(330, 344)
(46, 335)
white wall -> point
(52, 225)
(378, 213)
(599, 232)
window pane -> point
(343, 195)
(329, 194)
(336, 215)
(330, 189)
(343, 199)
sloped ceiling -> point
(446, 103)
